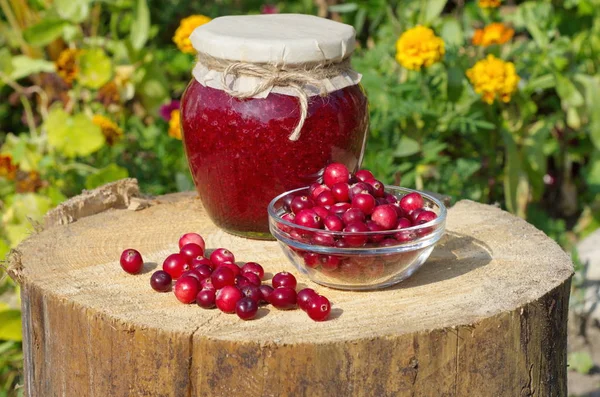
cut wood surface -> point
(485, 316)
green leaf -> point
(455, 83)
(406, 147)
(592, 173)
(591, 86)
(24, 66)
(10, 325)
(110, 173)
(74, 10)
(73, 136)
(343, 8)
(140, 25)
(153, 87)
(568, 93)
(44, 32)
(6, 65)
(581, 362)
(451, 32)
(512, 172)
(433, 10)
(95, 68)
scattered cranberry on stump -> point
(131, 261)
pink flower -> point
(165, 110)
(269, 9)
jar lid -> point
(275, 39)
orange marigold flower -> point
(175, 125)
(66, 65)
(8, 170)
(110, 130)
(494, 33)
(185, 29)
(489, 3)
(418, 47)
(494, 78)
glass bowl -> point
(387, 257)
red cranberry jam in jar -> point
(272, 101)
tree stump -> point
(486, 315)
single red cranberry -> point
(325, 198)
(201, 261)
(321, 211)
(206, 298)
(221, 255)
(241, 281)
(411, 202)
(186, 288)
(283, 298)
(203, 271)
(192, 273)
(246, 308)
(342, 244)
(255, 268)
(425, 216)
(390, 198)
(404, 236)
(175, 265)
(374, 227)
(330, 262)
(312, 187)
(353, 215)
(231, 266)
(388, 242)
(350, 270)
(222, 276)
(319, 308)
(286, 202)
(315, 193)
(414, 214)
(311, 259)
(364, 175)
(193, 238)
(298, 236)
(304, 297)
(323, 239)
(308, 218)
(192, 251)
(403, 223)
(160, 281)
(265, 291)
(340, 208)
(289, 217)
(378, 187)
(355, 240)
(252, 292)
(399, 211)
(207, 284)
(333, 223)
(131, 261)
(381, 201)
(300, 203)
(284, 279)
(252, 278)
(341, 192)
(335, 173)
(385, 216)
(359, 188)
(227, 297)
(364, 202)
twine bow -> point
(295, 77)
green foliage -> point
(581, 362)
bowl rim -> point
(441, 218)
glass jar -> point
(240, 151)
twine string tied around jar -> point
(295, 77)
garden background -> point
(494, 101)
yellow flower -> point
(8, 170)
(493, 78)
(494, 33)
(419, 47)
(66, 65)
(174, 125)
(110, 130)
(185, 29)
(489, 3)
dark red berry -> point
(246, 308)
(333, 223)
(325, 198)
(414, 214)
(390, 198)
(252, 292)
(359, 188)
(201, 261)
(374, 227)
(385, 216)
(284, 279)
(323, 239)
(203, 270)
(311, 259)
(335, 173)
(286, 202)
(289, 217)
(221, 255)
(193, 238)
(207, 284)
(411, 202)
(160, 281)
(308, 218)
(378, 187)
(206, 298)
(321, 211)
(425, 216)
(231, 266)
(176, 265)
(241, 281)
(252, 278)
(265, 291)
(227, 297)
(300, 203)
(388, 242)
(131, 261)
(330, 262)
(283, 298)
(353, 215)
(222, 276)
(186, 289)
(364, 202)
(403, 223)
(192, 251)
(340, 208)
(355, 240)
(319, 308)
(255, 268)
(364, 175)
(304, 297)
(316, 189)
(192, 273)
(341, 192)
